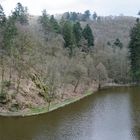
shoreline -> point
(38, 111)
(109, 85)
(43, 110)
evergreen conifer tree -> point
(54, 24)
(87, 33)
(134, 49)
(68, 36)
(77, 30)
(20, 14)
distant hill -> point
(110, 28)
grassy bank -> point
(37, 111)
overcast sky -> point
(102, 7)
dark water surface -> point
(112, 114)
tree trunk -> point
(49, 104)
(10, 73)
(62, 94)
(18, 82)
(12, 62)
(2, 74)
(76, 85)
(99, 86)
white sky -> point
(102, 7)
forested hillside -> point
(46, 59)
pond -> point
(110, 114)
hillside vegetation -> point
(45, 61)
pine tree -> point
(94, 16)
(44, 20)
(73, 16)
(66, 16)
(2, 48)
(54, 24)
(118, 43)
(77, 30)
(134, 49)
(10, 32)
(20, 14)
(68, 36)
(2, 16)
(86, 15)
(87, 33)
(8, 40)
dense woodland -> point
(50, 58)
